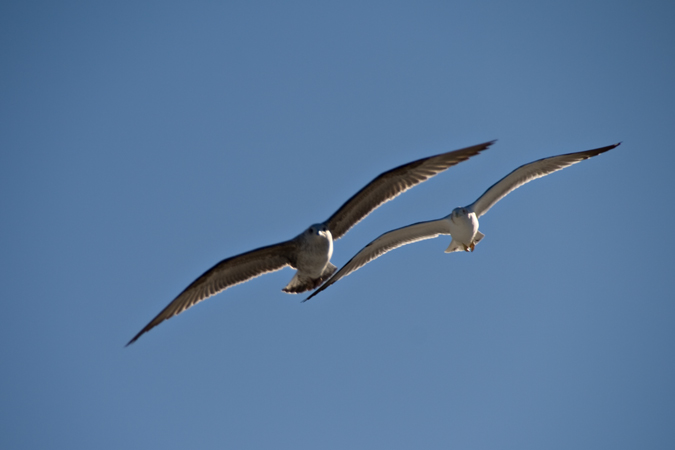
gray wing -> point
(528, 172)
(387, 242)
(390, 184)
(225, 274)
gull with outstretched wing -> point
(310, 252)
(462, 223)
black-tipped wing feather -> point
(528, 172)
(387, 242)
(392, 183)
(227, 273)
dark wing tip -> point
(607, 148)
(597, 151)
(313, 294)
(471, 150)
(466, 153)
(134, 338)
(485, 145)
(147, 328)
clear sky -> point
(142, 142)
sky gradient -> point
(143, 143)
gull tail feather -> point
(479, 236)
(301, 283)
(456, 246)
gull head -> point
(462, 217)
(319, 239)
(460, 212)
(318, 231)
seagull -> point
(462, 223)
(310, 251)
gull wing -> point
(227, 273)
(528, 172)
(387, 242)
(392, 183)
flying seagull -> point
(310, 251)
(461, 223)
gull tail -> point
(478, 237)
(456, 246)
(302, 283)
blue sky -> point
(142, 142)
